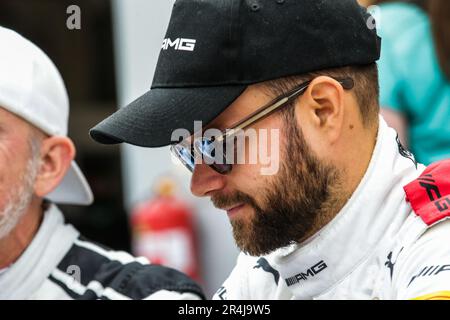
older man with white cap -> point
(40, 256)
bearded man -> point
(344, 216)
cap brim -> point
(74, 189)
(151, 120)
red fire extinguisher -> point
(163, 231)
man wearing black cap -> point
(344, 216)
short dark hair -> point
(366, 87)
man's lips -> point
(233, 209)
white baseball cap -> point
(32, 88)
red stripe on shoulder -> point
(429, 195)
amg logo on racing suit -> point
(311, 272)
(430, 271)
(179, 44)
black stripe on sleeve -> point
(134, 280)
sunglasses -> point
(219, 152)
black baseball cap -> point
(214, 49)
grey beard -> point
(19, 198)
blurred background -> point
(142, 200)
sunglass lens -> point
(185, 155)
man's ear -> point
(56, 157)
(323, 109)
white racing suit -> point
(60, 264)
(377, 247)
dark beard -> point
(299, 200)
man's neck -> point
(353, 171)
(14, 244)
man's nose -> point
(205, 180)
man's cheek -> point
(245, 178)
(4, 187)
(259, 150)
(3, 203)
(269, 153)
